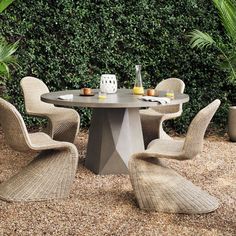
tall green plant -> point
(227, 13)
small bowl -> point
(151, 92)
(86, 91)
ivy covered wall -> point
(69, 44)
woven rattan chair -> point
(159, 188)
(152, 118)
(63, 123)
(49, 175)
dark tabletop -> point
(123, 98)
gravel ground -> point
(105, 205)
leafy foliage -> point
(227, 12)
(6, 58)
(69, 44)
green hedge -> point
(69, 44)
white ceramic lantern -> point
(108, 83)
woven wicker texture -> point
(63, 123)
(152, 118)
(49, 175)
(159, 188)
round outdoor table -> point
(115, 132)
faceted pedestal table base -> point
(114, 135)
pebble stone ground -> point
(105, 205)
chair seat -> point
(60, 111)
(152, 113)
(166, 148)
(42, 141)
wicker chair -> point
(159, 188)
(152, 118)
(63, 123)
(49, 175)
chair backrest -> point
(194, 139)
(13, 126)
(33, 88)
(174, 84)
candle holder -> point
(108, 83)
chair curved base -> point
(48, 176)
(159, 188)
(65, 131)
(152, 127)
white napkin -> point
(161, 100)
(66, 97)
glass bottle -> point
(138, 85)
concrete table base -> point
(114, 135)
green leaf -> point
(6, 51)
(200, 40)
(6, 57)
(4, 4)
(4, 69)
(4, 73)
(227, 12)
